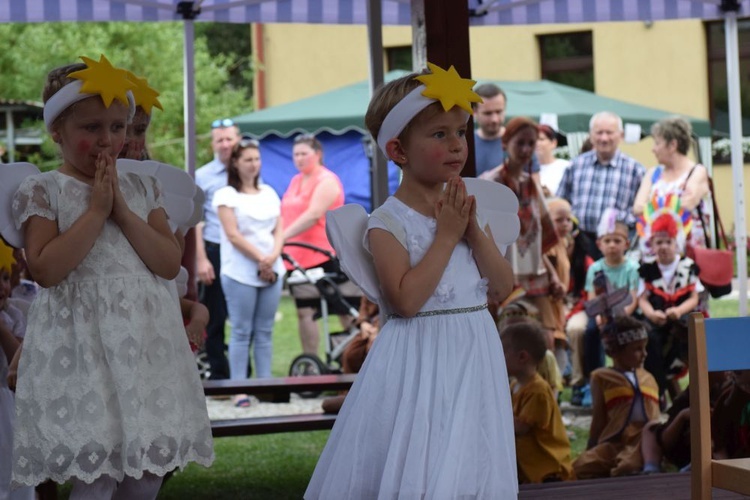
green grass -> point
(278, 466)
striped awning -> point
(484, 12)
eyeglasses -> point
(226, 122)
(247, 142)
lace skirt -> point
(107, 385)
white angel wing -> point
(11, 177)
(497, 204)
(346, 228)
(183, 200)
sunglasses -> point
(226, 122)
(247, 142)
(304, 138)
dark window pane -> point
(583, 79)
(568, 58)
(399, 58)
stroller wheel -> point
(307, 364)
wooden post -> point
(446, 39)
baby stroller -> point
(331, 288)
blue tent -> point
(343, 154)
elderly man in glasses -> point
(211, 177)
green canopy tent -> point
(342, 110)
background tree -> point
(152, 50)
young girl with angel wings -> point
(107, 393)
(430, 414)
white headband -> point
(401, 114)
(71, 94)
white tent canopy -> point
(485, 12)
(482, 12)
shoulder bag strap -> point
(720, 225)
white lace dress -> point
(107, 384)
(429, 415)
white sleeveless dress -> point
(107, 384)
(429, 415)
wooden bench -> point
(278, 390)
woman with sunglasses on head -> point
(251, 241)
(210, 178)
(311, 193)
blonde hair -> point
(386, 97)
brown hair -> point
(548, 132)
(57, 79)
(525, 334)
(513, 127)
(620, 324)
(233, 175)
(676, 129)
(488, 91)
(386, 97)
(310, 140)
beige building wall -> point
(661, 65)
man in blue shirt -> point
(210, 178)
(489, 116)
(601, 178)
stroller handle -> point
(300, 244)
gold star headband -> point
(99, 78)
(440, 85)
(145, 95)
(6, 257)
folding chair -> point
(715, 345)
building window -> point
(568, 58)
(399, 58)
(717, 74)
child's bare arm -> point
(407, 288)
(688, 306)
(672, 433)
(654, 316)
(630, 308)
(197, 316)
(491, 263)
(598, 416)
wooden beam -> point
(446, 40)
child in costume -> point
(620, 271)
(194, 314)
(108, 394)
(668, 292)
(12, 329)
(429, 415)
(625, 398)
(542, 445)
(576, 245)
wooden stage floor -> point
(668, 486)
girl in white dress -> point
(108, 395)
(429, 415)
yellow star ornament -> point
(145, 96)
(449, 88)
(104, 79)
